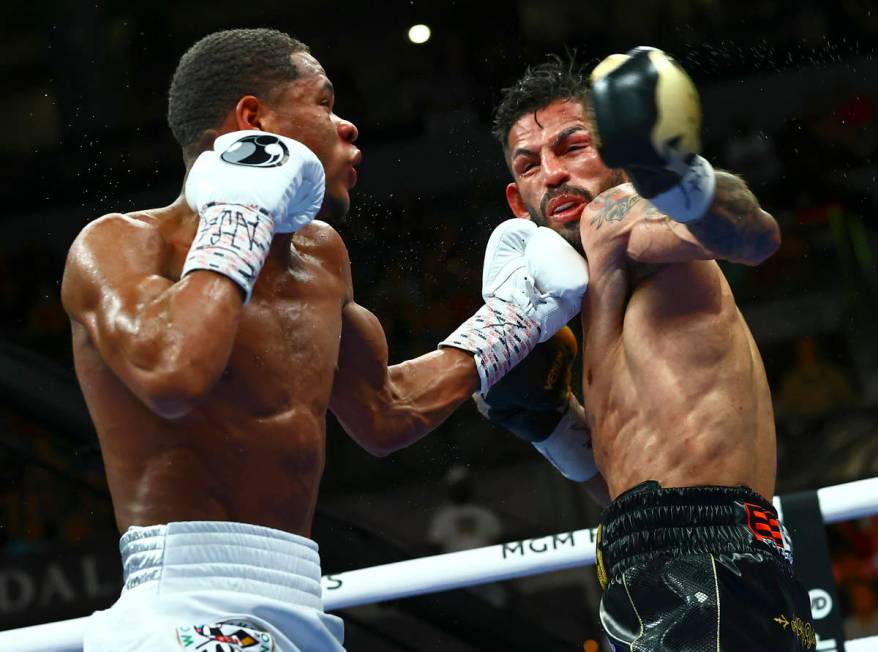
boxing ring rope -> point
(457, 570)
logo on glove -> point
(257, 151)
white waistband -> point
(218, 555)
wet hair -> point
(222, 68)
(556, 79)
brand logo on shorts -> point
(257, 151)
(764, 525)
(801, 629)
(228, 636)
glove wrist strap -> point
(232, 240)
(689, 200)
(499, 335)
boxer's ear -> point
(248, 113)
(516, 203)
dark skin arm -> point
(386, 408)
(734, 228)
(168, 341)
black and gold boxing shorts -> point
(699, 569)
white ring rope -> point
(456, 570)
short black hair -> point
(222, 68)
(556, 79)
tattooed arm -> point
(735, 228)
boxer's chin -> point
(335, 209)
(568, 230)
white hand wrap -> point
(690, 199)
(232, 240)
(499, 336)
(568, 448)
(251, 185)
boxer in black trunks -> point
(677, 414)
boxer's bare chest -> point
(286, 348)
(609, 284)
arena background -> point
(789, 93)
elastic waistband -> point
(218, 555)
(649, 520)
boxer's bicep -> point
(361, 383)
(654, 238)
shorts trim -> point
(636, 613)
(718, 611)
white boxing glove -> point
(560, 276)
(529, 295)
(252, 185)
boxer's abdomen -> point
(677, 390)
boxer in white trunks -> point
(212, 335)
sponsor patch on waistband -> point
(226, 636)
(764, 525)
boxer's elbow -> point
(388, 416)
(378, 442)
(391, 434)
(174, 393)
(169, 406)
(763, 243)
(168, 377)
(394, 430)
(367, 424)
(380, 450)
(772, 238)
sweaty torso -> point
(674, 386)
(253, 448)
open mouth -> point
(566, 208)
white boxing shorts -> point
(216, 586)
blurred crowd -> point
(854, 548)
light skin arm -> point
(734, 228)
(386, 408)
(168, 341)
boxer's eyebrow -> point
(523, 151)
(566, 133)
(557, 140)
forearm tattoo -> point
(734, 227)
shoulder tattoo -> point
(612, 207)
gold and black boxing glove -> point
(646, 116)
(534, 402)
